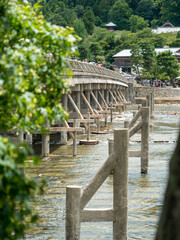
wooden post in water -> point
(152, 104)
(88, 130)
(75, 139)
(105, 120)
(145, 139)
(45, 140)
(111, 112)
(73, 195)
(120, 184)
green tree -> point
(137, 23)
(121, 13)
(95, 49)
(145, 9)
(79, 28)
(167, 66)
(143, 59)
(88, 20)
(83, 51)
(170, 11)
(137, 59)
(32, 67)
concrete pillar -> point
(120, 184)
(73, 195)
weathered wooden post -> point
(88, 130)
(149, 103)
(111, 105)
(144, 103)
(75, 138)
(73, 195)
(152, 104)
(145, 139)
(105, 121)
(120, 184)
(45, 140)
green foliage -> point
(178, 34)
(167, 66)
(145, 9)
(16, 190)
(170, 11)
(88, 20)
(79, 28)
(32, 67)
(121, 13)
(143, 56)
(30, 78)
(137, 23)
(95, 49)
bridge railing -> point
(77, 66)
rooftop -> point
(127, 52)
(111, 24)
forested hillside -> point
(134, 20)
(156, 12)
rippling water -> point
(145, 191)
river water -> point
(145, 191)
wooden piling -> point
(145, 139)
(73, 195)
(45, 140)
(120, 184)
(75, 139)
(88, 131)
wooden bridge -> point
(93, 90)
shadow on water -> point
(145, 191)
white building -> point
(123, 62)
(165, 28)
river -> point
(145, 191)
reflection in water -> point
(145, 191)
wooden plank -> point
(81, 120)
(65, 129)
(97, 215)
(92, 116)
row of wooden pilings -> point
(116, 164)
(77, 102)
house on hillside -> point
(166, 27)
(123, 62)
